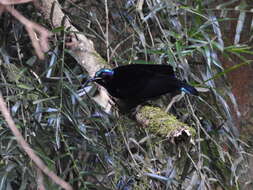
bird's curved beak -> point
(94, 79)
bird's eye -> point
(105, 73)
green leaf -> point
(58, 29)
(26, 87)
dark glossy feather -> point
(142, 82)
(146, 68)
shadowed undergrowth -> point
(94, 150)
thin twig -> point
(20, 139)
(13, 2)
(107, 31)
(40, 45)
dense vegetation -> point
(94, 150)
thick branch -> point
(164, 124)
(86, 55)
(82, 50)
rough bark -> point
(83, 50)
(91, 61)
(165, 125)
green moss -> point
(162, 123)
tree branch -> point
(20, 139)
(85, 54)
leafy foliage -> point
(93, 150)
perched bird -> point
(141, 82)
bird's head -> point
(102, 76)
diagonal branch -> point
(85, 54)
(39, 43)
(20, 139)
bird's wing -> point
(143, 81)
(159, 85)
(138, 74)
(146, 69)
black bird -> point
(141, 82)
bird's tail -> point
(189, 89)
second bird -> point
(141, 82)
